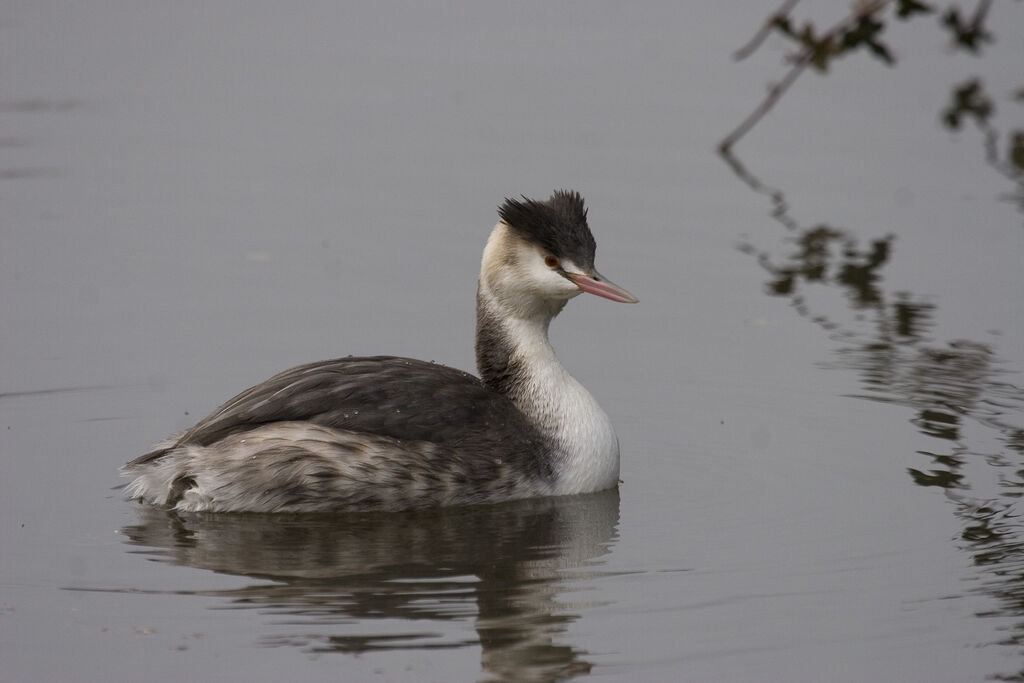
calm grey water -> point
(820, 410)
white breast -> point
(591, 449)
(567, 412)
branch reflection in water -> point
(967, 408)
(965, 403)
(502, 567)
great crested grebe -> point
(387, 433)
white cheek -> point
(554, 284)
(534, 275)
(567, 288)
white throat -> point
(564, 410)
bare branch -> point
(800, 62)
(774, 93)
(765, 29)
(980, 12)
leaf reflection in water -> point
(961, 394)
(337, 583)
(963, 398)
(965, 404)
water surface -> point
(818, 397)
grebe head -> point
(541, 255)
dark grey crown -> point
(558, 225)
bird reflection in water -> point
(334, 575)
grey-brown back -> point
(400, 398)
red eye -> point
(550, 261)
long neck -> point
(514, 355)
(515, 358)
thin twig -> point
(774, 93)
(765, 29)
(979, 13)
(800, 62)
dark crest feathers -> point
(559, 225)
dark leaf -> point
(969, 100)
(968, 35)
(906, 9)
